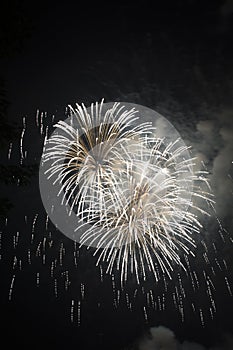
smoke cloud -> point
(215, 147)
(162, 338)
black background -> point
(173, 56)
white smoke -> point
(162, 338)
(214, 147)
(222, 170)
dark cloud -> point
(227, 8)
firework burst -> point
(124, 187)
(133, 193)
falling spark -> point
(29, 257)
(37, 279)
(33, 227)
(228, 286)
(21, 141)
(11, 288)
(82, 291)
(79, 313)
(201, 317)
(52, 269)
(72, 311)
(14, 263)
(101, 273)
(41, 123)
(145, 314)
(10, 150)
(37, 117)
(55, 288)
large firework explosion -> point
(114, 183)
(133, 192)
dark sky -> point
(174, 57)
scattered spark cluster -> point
(136, 200)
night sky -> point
(174, 57)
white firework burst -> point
(133, 193)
